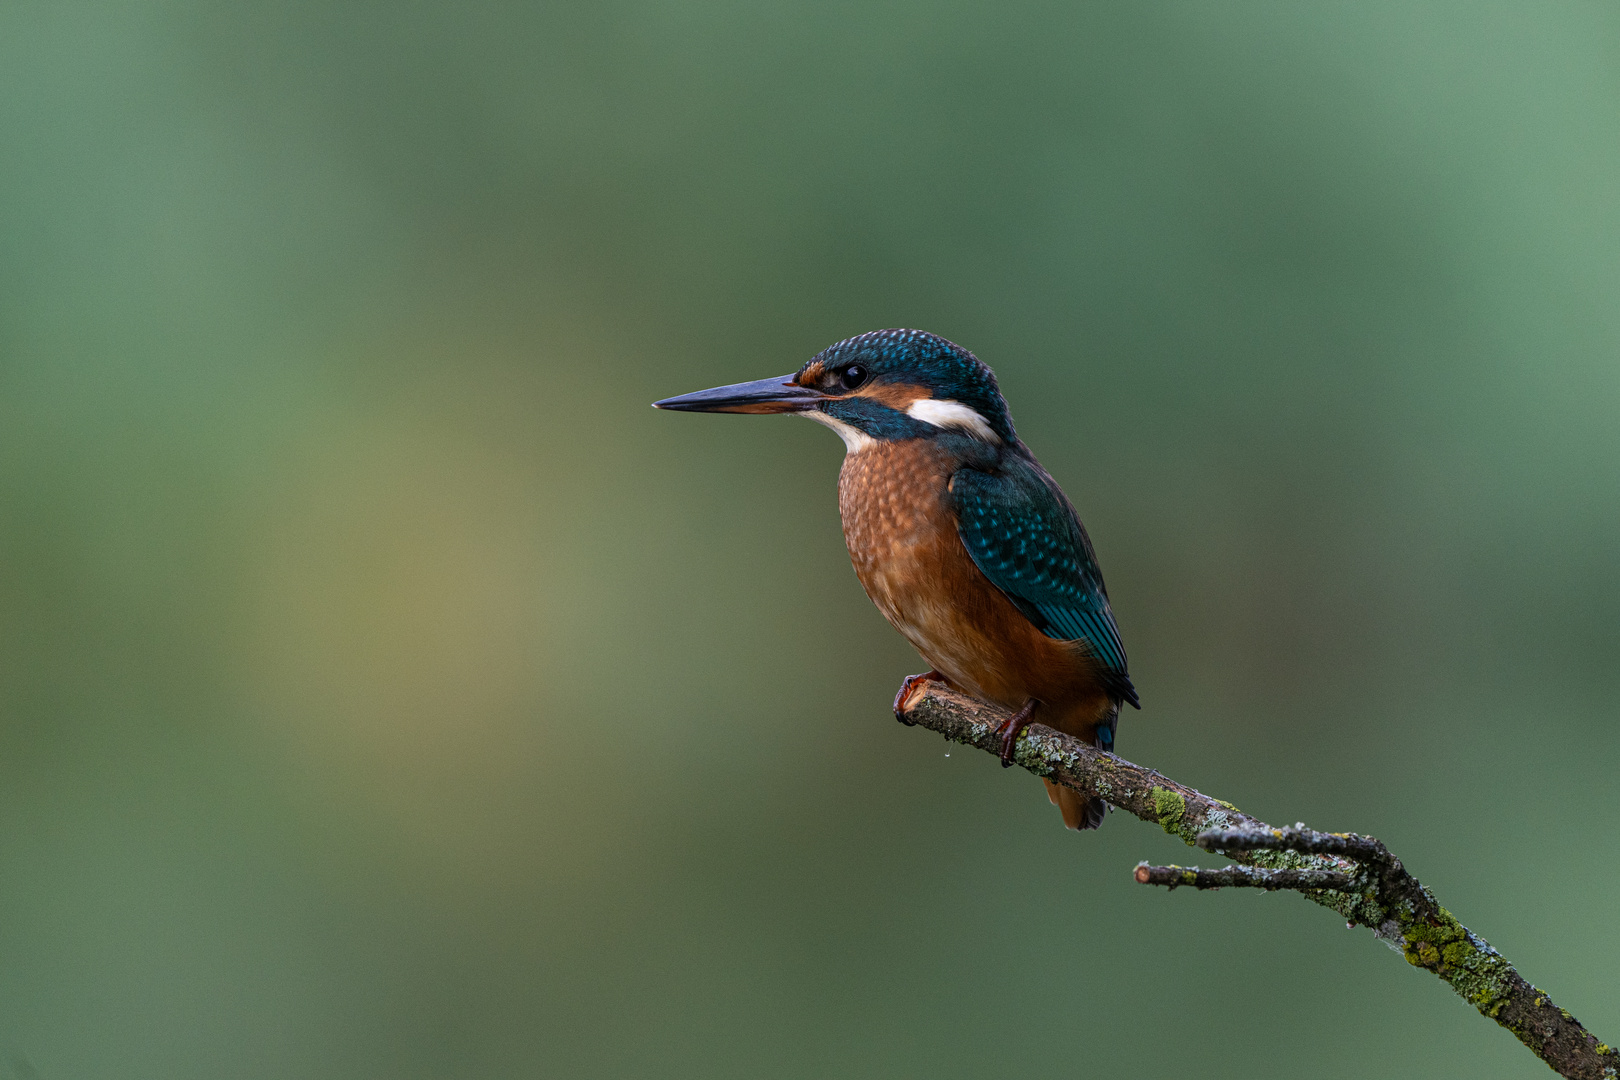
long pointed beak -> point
(778, 395)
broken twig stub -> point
(1353, 875)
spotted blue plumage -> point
(1023, 535)
(950, 371)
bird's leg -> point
(906, 688)
(1010, 728)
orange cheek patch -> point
(812, 375)
(897, 396)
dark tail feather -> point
(1080, 811)
(1095, 810)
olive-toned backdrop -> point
(387, 692)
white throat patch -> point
(945, 413)
(855, 440)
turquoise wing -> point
(1022, 534)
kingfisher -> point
(963, 541)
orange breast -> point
(903, 542)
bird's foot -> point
(1010, 729)
(903, 698)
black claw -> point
(905, 691)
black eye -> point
(852, 376)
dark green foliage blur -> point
(386, 691)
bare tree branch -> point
(1353, 875)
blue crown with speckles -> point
(949, 371)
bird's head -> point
(883, 386)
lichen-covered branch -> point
(1353, 875)
(1248, 877)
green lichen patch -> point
(1169, 807)
(1444, 946)
(1457, 952)
(1217, 819)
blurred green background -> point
(389, 692)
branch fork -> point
(1354, 875)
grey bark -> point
(1353, 875)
